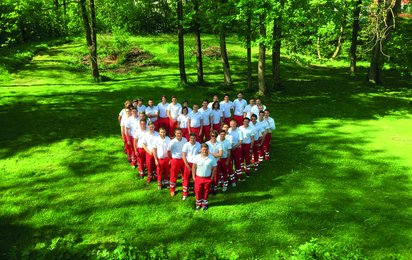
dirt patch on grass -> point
(210, 52)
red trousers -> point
(268, 138)
(185, 133)
(141, 159)
(151, 166)
(172, 126)
(176, 166)
(196, 130)
(163, 122)
(223, 169)
(226, 120)
(205, 133)
(124, 138)
(202, 189)
(163, 170)
(239, 120)
(256, 148)
(187, 174)
(246, 156)
(237, 157)
(216, 127)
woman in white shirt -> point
(183, 121)
(217, 116)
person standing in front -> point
(203, 171)
(174, 151)
(190, 150)
(161, 158)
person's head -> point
(135, 103)
(192, 138)
(253, 118)
(213, 135)
(252, 102)
(164, 99)
(127, 104)
(246, 121)
(142, 124)
(185, 110)
(222, 134)
(225, 127)
(139, 102)
(134, 111)
(233, 124)
(205, 103)
(162, 132)
(128, 112)
(178, 133)
(174, 99)
(226, 97)
(150, 102)
(216, 105)
(261, 115)
(185, 103)
(142, 115)
(240, 95)
(195, 107)
(267, 113)
(204, 149)
(151, 127)
(215, 98)
(258, 101)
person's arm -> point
(229, 156)
(252, 143)
(194, 167)
(213, 171)
(169, 115)
(135, 147)
(188, 125)
(155, 156)
(185, 160)
(201, 126)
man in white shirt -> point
(203, 172)
(190, 150)
(237, 139)
(131, 121)
(215, 150)
(196, 122)
(258, 107)
(161, 158)
(239, 106)
(174, 151)
(152, 112)
(229, 138)
(148, 145)
(138, 145)
(258, 137)
(214, 99)
(247, 144)
(207, 121)
(123, 123)
(248, 109)
(226, 105)
(272, 127)
(163, 119)
(173, 113)
(224, 161)
(264, 125)
(140, 107)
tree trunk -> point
(183, 78)
(199, 60)
(225, 59)
(262, 53)
(341, 31)
(90, 36)
(386, 15)
(249, 51)
(66, 29)
(277, 41)
(355, 32)
(318, 48)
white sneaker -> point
(224, 188)
(234, 185)
(184, 197)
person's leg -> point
(206, 190)
(199, 196)
(186, 180)
(173, 176)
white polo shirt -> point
(239, 106)
(237, 136)
(195, 119)
(161, 146)
(191, 150)
(257, 128)
(226, 107)
(142, 108)
(263, 124)
(162, 109)
(214, 148)
(271, 123)
(248, 111)
(149, 139)
(174, 110)
(204, 165)
(255, 110)
(183, 121)
(248, 133)
(226, 146)
(131, 124)
(176, 147)
(206, 113)
(139, 135)
(216, 116)
(151, 111)
(124, 120)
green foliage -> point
(400, 54)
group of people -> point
(216, 144)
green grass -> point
(338, 183)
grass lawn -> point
(338, 184)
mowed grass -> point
(340, 170)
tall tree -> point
(262, 55)
(90, 30)
(277, 41)
(182, 70)
(224, 56)
(196, 25)
(383, 20)
(354, 39)
(341, 30)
